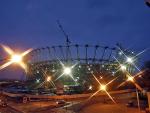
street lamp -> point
(48, 79)
(90, 87)
(16, 58)
(130, 78)
(103, 87)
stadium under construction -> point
(71, 67)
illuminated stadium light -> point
(67, 70)
(89, 69)
(129, 60)
(123, 67)
(38, 80)
(37, 71)
(120, 53)
(79, 66)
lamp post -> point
(130, 78)
(130, 60)
(138, 100)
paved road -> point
(34, 106)
(37, 107)
(8, 110)
(108, 108)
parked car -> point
(60, 102)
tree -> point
(147, 2)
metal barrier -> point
(69, 97)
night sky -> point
(32, 23)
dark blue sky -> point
(32, 23)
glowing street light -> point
(48, 79)
(103, 87)
(130, 78)
(14, 57)
(90, 87)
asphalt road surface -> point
(108, 108)
(8, 110)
